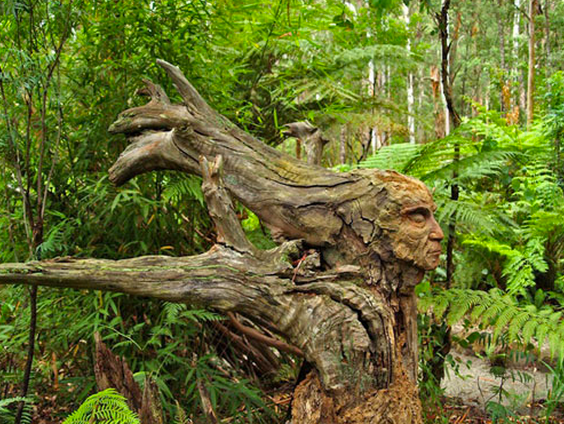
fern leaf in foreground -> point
(107, 406)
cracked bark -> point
(338, 288)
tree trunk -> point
(111, 371)
(343, 145)
(410, 96)
(533, 6)
(521, 98)
(436, 88)
(339, 287)
(501, 34)
(453, 119)
(312, 137)
(547, 49)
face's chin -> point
(432, 260)
(431, 257)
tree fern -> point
(520, 262)
(395, 156)
(9, 401)
(469, 214)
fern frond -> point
(107, 406)
(518, 323)
(9, 401)
(201, 315)
(395, 156)
(180, 416)
(172, 312)
(466, 213)
(190, 186)
(503, 318)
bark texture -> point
(339, 287)
(111, 371)
(312, 137)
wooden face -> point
(418, 236)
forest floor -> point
(472, 381)
(473, 394)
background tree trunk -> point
(410, 95)
(533, 6)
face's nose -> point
(436, 230)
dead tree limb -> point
(312, 137)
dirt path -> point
(476, 385)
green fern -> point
(395, 156)
(180, 416)
(520, 323)
(105, 407)
(175, 312)
(520, 262)
(8, 415)
(190, 186)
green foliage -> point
(555, 395)
(180, 416)
(8, 407)
(256, 232)
(508, 223)
(231, 397)
(105, 407)
(264, 64)
(521, 322)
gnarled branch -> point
(333, 326)
(328, 332)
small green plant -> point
(180, 417)
(555, 395)
(430, 390)
(105, 407)
(7, 415)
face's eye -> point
(418, 218)
(419, 215)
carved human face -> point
(418, 236)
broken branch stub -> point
(312, 137)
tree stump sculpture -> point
(340, 285)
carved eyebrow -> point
(416, 209)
